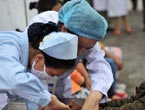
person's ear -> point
(39, 62)
(63, 28)
(38, 58)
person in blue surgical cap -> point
(78, 17)
(20, 52)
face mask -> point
(40, 74)
(48, 81)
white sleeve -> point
(99, 71)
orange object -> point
(77, 77)
(75, 87)
(76, 80)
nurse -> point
(18, 51)
(78, 17)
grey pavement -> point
(133, 48)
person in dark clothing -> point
(45, 5)
(143, 14)
(134, 4)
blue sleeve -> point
(14, 78)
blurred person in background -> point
(118, 9)
(143, 15)
(101, 6)
(45, 5)
(134, 4)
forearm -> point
(32, 89)
(25, 85)
(95, 96)
(81, 68)
(108, 54)
(55, 104)
(92, 101)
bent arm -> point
(99, 70)
(13, 76)
(81, 68)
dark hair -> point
(64, 1)
(45, 5)
(33, 5)
(58, 63)
(37, 31)
(60, 24)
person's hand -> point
(92, 101)
(43, 108)
(55, 104)
(116, 59)
(74, 106)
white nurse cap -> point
(60, 45)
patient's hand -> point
(74, 106)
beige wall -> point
(12, 14)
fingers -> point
(74, 106)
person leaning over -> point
(17, 53)
(53, 48)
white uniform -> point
(99, 70)
(117, 8)
(100, 5)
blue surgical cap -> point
(80, 18)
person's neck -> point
(32, 53)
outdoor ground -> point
(133, 48)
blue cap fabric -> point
(79, 17)
(60, 45)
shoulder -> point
(9, 34)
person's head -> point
(78, 17)
(45, 5)
(53, 52)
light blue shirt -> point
(13, 69)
